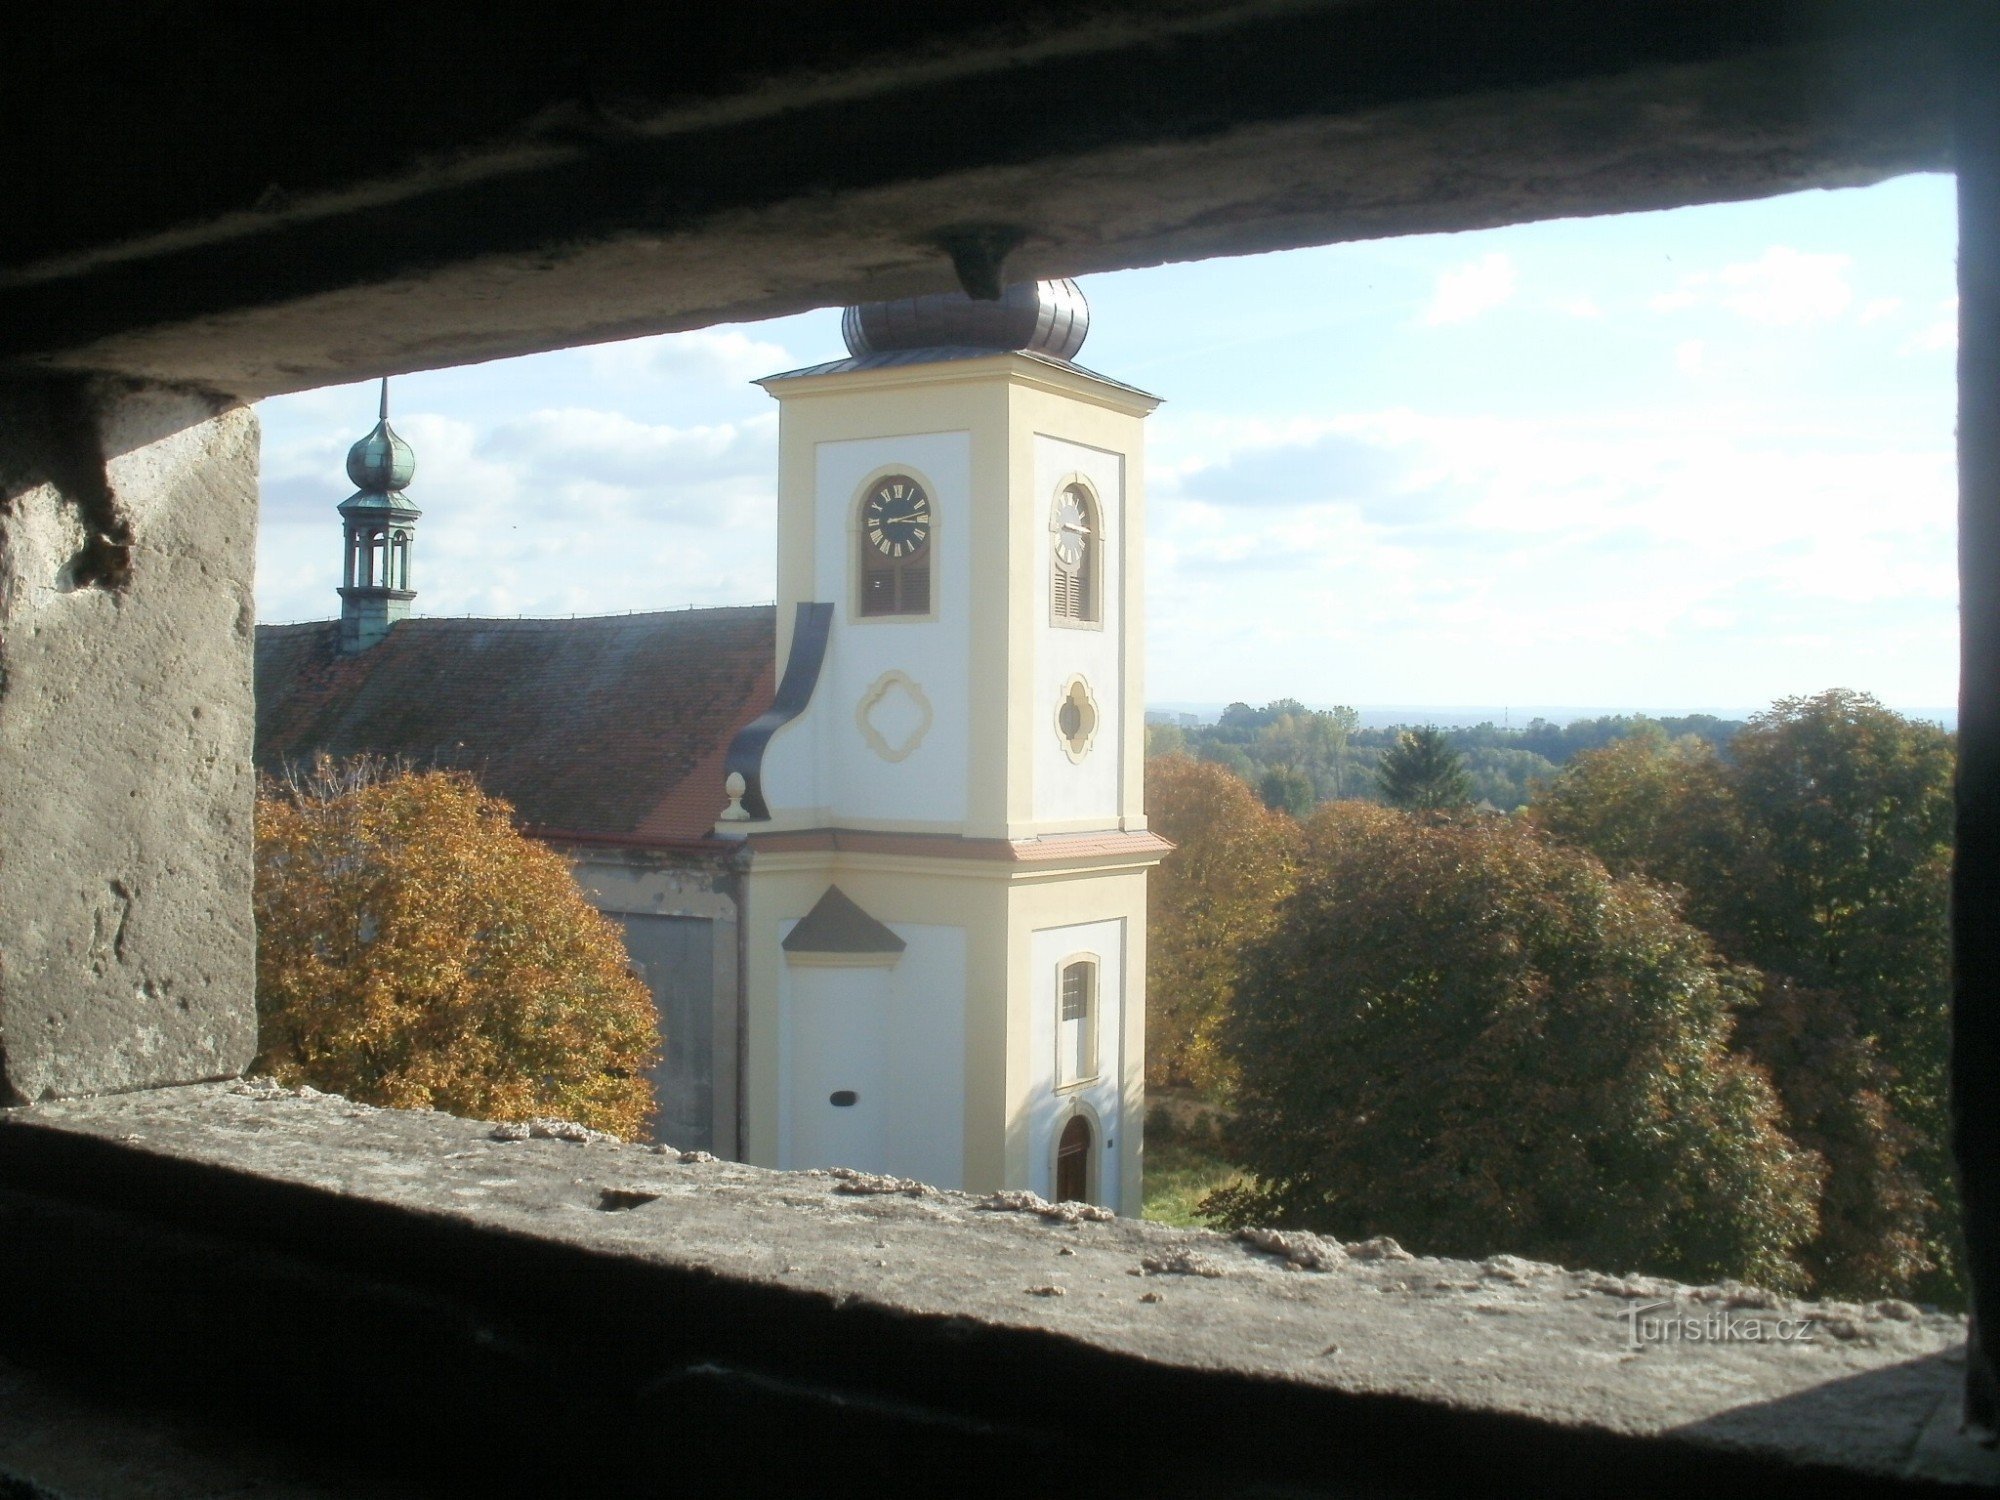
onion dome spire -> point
(382, 462)
(379, 523)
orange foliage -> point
(414, 950)
(1210, 901)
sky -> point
(1691, 460)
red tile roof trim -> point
(1049, 849)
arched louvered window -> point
(895, 542)
(1076, 557)
(1076, 1021)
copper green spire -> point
(380, 526)
(381, 462)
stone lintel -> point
(765, 161)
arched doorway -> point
(1073, 1162)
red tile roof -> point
(612, 727)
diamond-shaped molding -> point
(894, 715)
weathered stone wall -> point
(127, 523)
(582, 175)
(696, 1082)
(520, 1311)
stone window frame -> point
(1075, 1106)
(1091, 570)
(1697, 201)
(1067, 1075)
(857, 547)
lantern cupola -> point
(379, 525)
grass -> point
(1178, 1176)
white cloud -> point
(1781, 288)
(1940, 336)
(710, 354)
(1581, 307)
(1477, 287)
(571, 510)
(615, 448)
(1785, 286)
(1879, 308)
(1501, 550)
(1689, 355)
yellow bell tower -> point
(945, 894)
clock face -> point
(898, 517)
(1070, 525)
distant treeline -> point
(1326, 755)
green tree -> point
(1850, 870)
(414, 950)
(1422, 773)
(1469, 1036)
(1214, 896)
(1312, 742)
(1845, 893)
(1649, 806)
(1819, 852)
(1286, 789)
(1232, 759)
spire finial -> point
(385, 399)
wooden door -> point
(1073, 1162)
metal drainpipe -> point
(741, 860)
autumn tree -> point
(1309, 744)
(1647, 805)
(1469, 1036)
(415, 950)
(1423, 773)
(1819, 852)
(1287, 789)
(1211, 899)
(1848, 881)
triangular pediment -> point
(837, 925)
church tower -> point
(379, 525)
(945, 897)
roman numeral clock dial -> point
(898, 518)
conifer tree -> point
(1423, 773)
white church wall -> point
(890, 1035)
(915, 771)
(1049, 1107)
(1086, 792)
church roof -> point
(610, 727)
(895, 358)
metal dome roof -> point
(1039, 317)
(382, 461)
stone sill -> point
(355, 1275)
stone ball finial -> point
(1036, 317)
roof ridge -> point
(544, 622)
